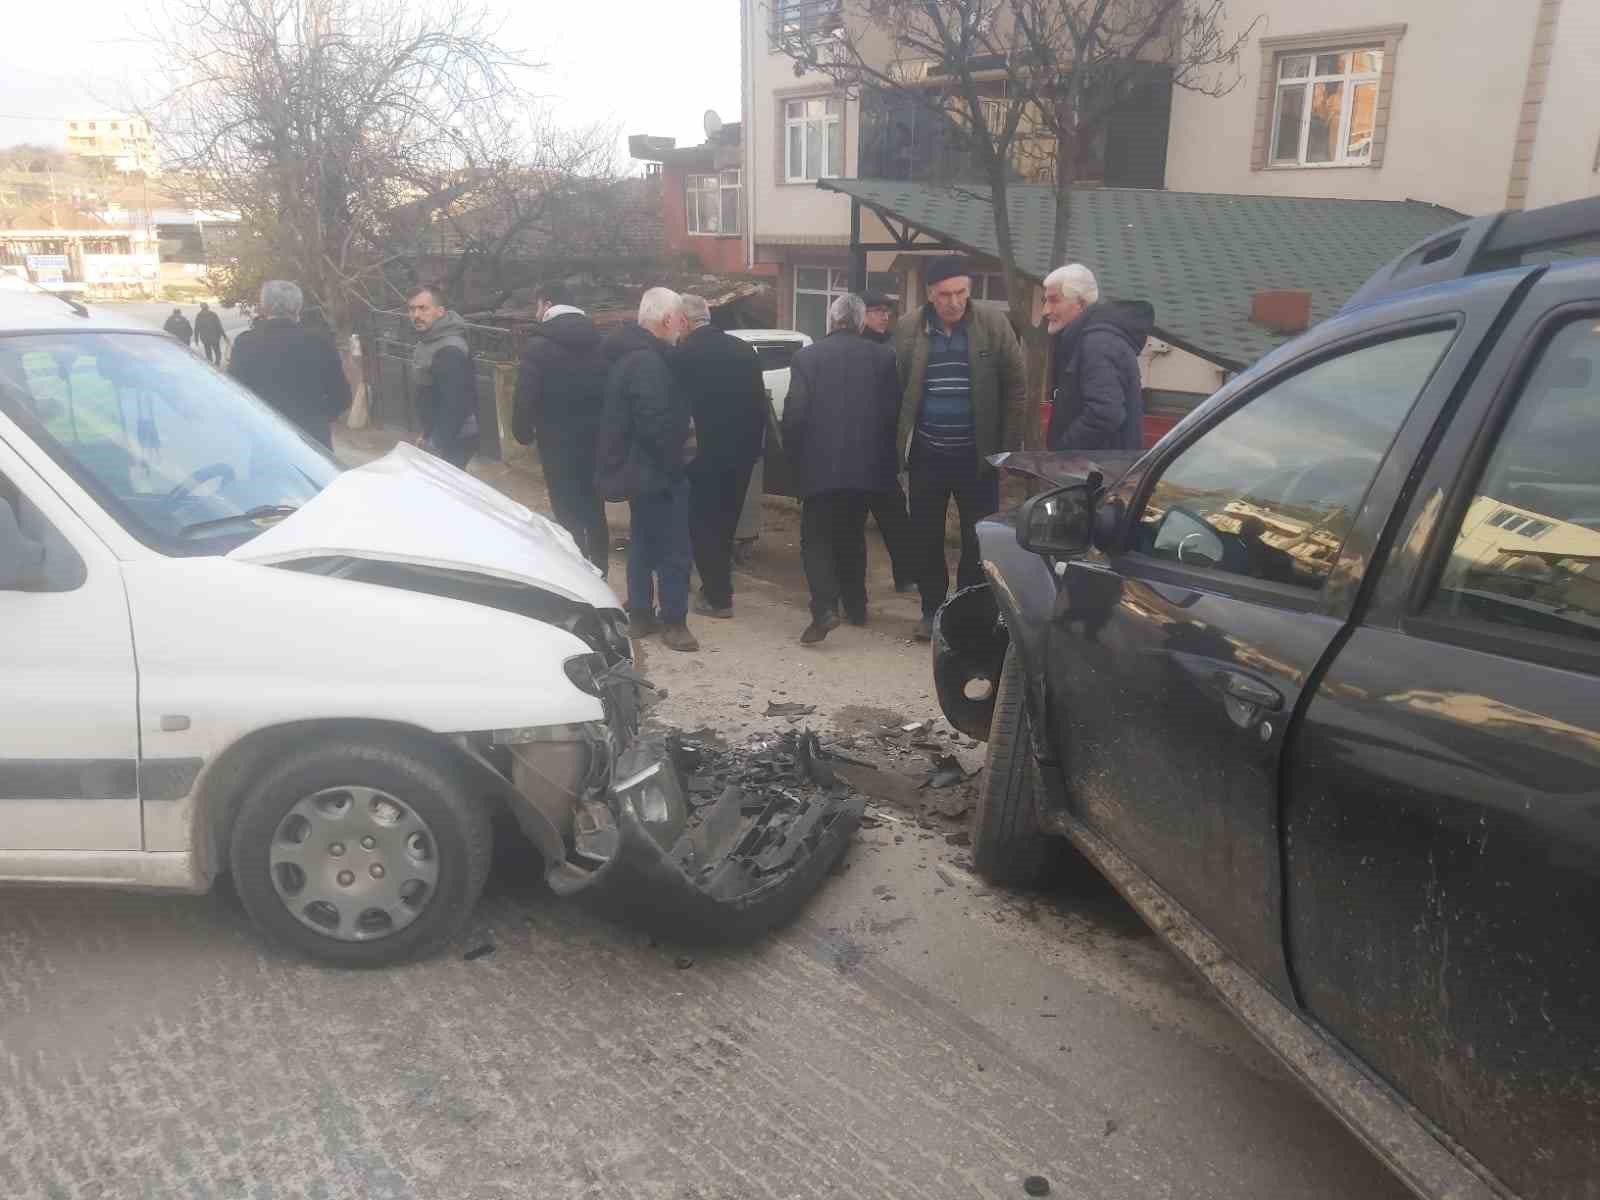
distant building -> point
(124, 142)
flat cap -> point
(947, 267)
(876, 300)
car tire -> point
(1007, 844)
(361, 852)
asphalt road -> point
(155, 312)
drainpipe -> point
(747, 129)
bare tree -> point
(1020, 90)
(314, 120)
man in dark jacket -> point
(644, 434)
(208, 332)
(962, 372)
(721, 378)
(178, 326)
(1098, 398)
(441, 364)
(289, 367)
(561, 386)
(889, 508)
(838, 432)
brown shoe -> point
(706, 609)
(678, 637)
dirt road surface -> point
(915, 1033)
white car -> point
(221, 652)
(775, 348)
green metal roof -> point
(1197, 257)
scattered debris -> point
(684, 962)
(951, 803)
(477, 952)
(962, 838)
(948, 878)
(1111, 1127)
(1036, 1185)
(789, 708)
(946, 772)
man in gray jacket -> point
(838, 432)
(1097, 401)
(447, 393)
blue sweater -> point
(945, 424)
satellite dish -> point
(712, 122)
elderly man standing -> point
(644, 434)
(838, 431)
(721, 378)
(1098, 396)
(889, 508)
(289, 366)
(962, 372)
(441, 364)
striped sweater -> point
(945, 424)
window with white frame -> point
(813, 139)
(713, 202)
(1326, 106)
(815, 288)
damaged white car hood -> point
(410, 507)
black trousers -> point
(716, 498)
(833, 546)
(213, 353)
(576, 506)
(935, 480)
(894, 526)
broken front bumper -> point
(969, 652)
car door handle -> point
(1251, 691)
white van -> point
(221, 652)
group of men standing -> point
(669, 413)
(206, 330)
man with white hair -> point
(290, 367)
(721, 378)
(839, 435)
(644, 444)
(1097, 395)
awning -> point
(1198, 257)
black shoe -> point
(819, 628)
(678, 637)
(924, 630)
(642, 625)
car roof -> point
(771, 335)
(41, 312)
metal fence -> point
(389, 378)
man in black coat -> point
(721, 378)
(644, 439)
(291, 368)
(208, 332)
(889, 508)
(561, 387)
(441, 366)
(1098, 397)
(178, 326)
(839, 435)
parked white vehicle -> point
(775, 348)
(220, 652)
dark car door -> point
(1443, 793)
(1177, 659)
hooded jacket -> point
(178, 326)
(561, 384)
(447, 394)
(645, 421)
(1099, 399)
(721, 379)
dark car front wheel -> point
(1007, 845)
(361, 852)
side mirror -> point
(21, 559)
(1059, 522)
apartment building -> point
(124, 142)
(1467, 105)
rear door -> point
(1177, 661)
(1443, 799)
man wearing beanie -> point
(961, 374)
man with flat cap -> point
(961, 374)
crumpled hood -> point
(1132, 320)
(410, 507)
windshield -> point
(185, 458)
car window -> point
(1272, 490)
(1527, 552)
(179, 453)
(54, 564)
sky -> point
(651, 67)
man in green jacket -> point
(961, 374)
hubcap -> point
(354, 863)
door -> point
(68, 734)
(1178, 661)
(1443, 797)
